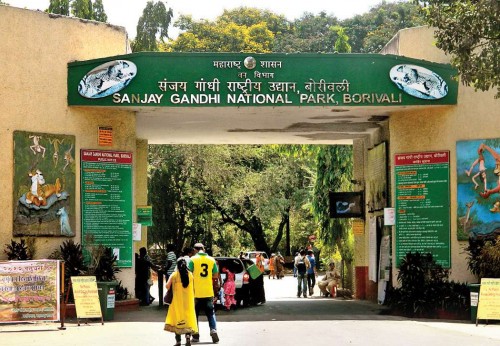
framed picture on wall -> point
(347, 204)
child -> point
(229, 289)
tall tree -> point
(470, 32)
(59, 7)
(82, 9)
(98, 13)
(370, 31)
(152, 26)
(310, 33)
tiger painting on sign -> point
(43, 185)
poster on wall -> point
(478, 188)
(106, 185)
(423, 205)
(376, 190)
(29, 291)
(44, 184)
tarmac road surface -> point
(284, 320)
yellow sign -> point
(489, 300)
(358, 227)
(86, 297)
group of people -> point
(276, 266)
(305, 269)
(190, 278)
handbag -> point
(169, 296)
(254, 271)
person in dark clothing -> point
(143, 266)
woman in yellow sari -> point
(181, 316)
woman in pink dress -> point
(229, 289)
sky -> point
(126, 13)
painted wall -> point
(476, 116)
(35, 50)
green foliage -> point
(100, 260)
(59, 7)
(484, 257)
(121, 293)
(310, 33)
(470, 32)
(230, 197)
(334, 173)
(369, 32)
(85, 9)
(98, 12)
(152, 25)
(239, 30)
(74, 263)
(19, 250)
(425, 289)
(82, 8)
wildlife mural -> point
(478, 190)
(44, 184)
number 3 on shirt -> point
(204, 272)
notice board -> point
(86, 297)
(423, 205)
(106, 184)
(489, 300)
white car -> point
(252, 256)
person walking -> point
(204, 269)
(301, 264)
(311, 272)
(181, 315)
(272, 266)
(170, 261)
(279, 264)
(143, 281)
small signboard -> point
(105, 136)
(86, 297)
(145, 215)
(489, 300)
(358, 227)
(29, 291)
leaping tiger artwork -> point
(107, 79)
(419, 82)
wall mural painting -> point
(44, 184)
(478, 188)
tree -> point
(239, 30)
(59, 7)
(369, 32)
(470, 32)
(341, 44)
(98, 12)
(152, 25)
(310, 33)
(82, 8)
(85, 9)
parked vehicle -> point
(241, 277)
(252, 255)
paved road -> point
(283, 320)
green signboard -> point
(145, 215)
(106, 185)
(423, 205)
(239, 79)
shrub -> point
(484, 256)
(425, 289)
(21, 251)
